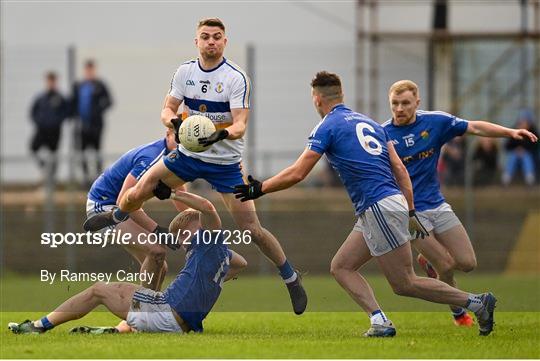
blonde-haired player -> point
(418, 136)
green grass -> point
(424, 330)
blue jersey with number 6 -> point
(356, 148)
(197, 287)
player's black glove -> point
(214, 137)
(162, 191)
(166, 238)
(416, 228)
(246, 192)
(176, 122)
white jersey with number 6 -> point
(213, 93)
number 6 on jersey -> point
(366, 141)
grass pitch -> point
(267, 329)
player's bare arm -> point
(402, 175)
(209, 217)
(293, 174)
(237, 264)
(240, 119)
(169, 111)
(486, 129)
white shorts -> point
(93, 208)
(149, 312)
(438, 219)
(385, 225)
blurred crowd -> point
(494, 161)
(86, 107)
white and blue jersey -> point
(356, 148)
(213, 93)
(419, 146)
(137, 161)
(197, 287)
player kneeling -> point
(182, 306)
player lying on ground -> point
(360, 150)
(182, 306)
(220, 90)
(112, 184)
(418, 136)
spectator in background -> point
(453, 162)
(485, 159)
(522, 152)
(48, 111)
(90, 100)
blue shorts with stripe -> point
(385, 225)
(222, 177)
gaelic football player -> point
(185, 303)
(418, 136)
(215, 87)
(381, 191)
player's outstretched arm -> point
(209, 216)
(237, 264)
(283, 180)
(293, 174)
(486, 129)
(177, 204)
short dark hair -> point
(89, 63)
(211, 22)
(325, 79)
(328, 85)
(50, 75)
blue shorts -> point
(223, 178)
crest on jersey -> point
(203, 108)
(172, 156)
(219, 87)
(424, 134)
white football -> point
(192, 129)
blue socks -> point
(119, 215)
(44, 323)
(287, 272)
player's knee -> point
(337, 268)
(98, 289)
(445, 268)
(402, 287)
(467, 265)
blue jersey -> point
(135, 162)
(196, 288)
(356, 148)
(419, 146)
